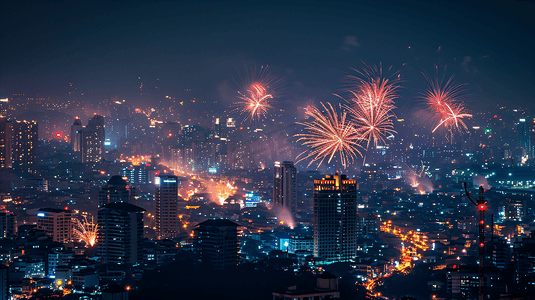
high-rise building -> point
(217, 243)
(141, 174)
(18, 145)
(335, 218)
(368, 226)
(8, 224)
(524, 136)
(120, 237)
(524, 264)
(4, 282)
(76, 135)
(531, 138)
(116, 190)
(284, 186)
(24, 146)
(56, 223)
(5, 143)
(92, 140)
(166, 206)
(117, 125)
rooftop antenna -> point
(481, 204)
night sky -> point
(102, 47)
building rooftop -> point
(327, 275)
(124, 206)
(54, 210)
(117, 180)
(218, 223)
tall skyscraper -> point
(120, 236)
(56, 223)
(524, 136)
(217, 243)
(18, 145)
(284, 185)
(4, 282)
(92, 140)
(24, 146)
(76, 135)
(116, 190)
(531, 138)
(117, 125)
(5, 143)
(335, 218)
(8, 224)
(166, 209)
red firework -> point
(445, 102)
(372, 103)
(259, 86)
(255, 103)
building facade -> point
(116, 190)
(217, 243)
(120, 238)
(76, 134)
(8, 224)
(166, 206)
(5, 143)
(335, 218)
(24, 146)
(284, 186)
(4, 282)
(18, 145)
(92, 140)
(56, 223)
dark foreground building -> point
(326, 288)
(120, 236)
(217, 243)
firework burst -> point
(445, 102)
(259, 86)
(85, 231)
(371, 104)
(255, 103)
(329, 134)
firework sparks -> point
(372, 103)
(419, 180)
(85, 231)
(255, 103)
(444, 100)
(220, 190)
(329, 134)
(259, 86)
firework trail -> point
(371, 104)
(329, 134)
(445, 102)
(85, 231)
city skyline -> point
(270, 150)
